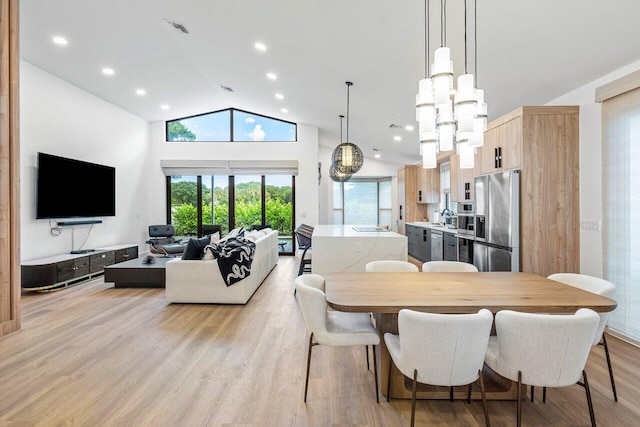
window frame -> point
(231, 123)
(342, 198)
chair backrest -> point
(449, 266)
(389, 265)
(162, 230)
(589, 284)
(550, 350)
(313, 280)
(211, 229)
(314, 309)
(446, 349)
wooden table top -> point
(457, 293)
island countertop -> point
(340, 248)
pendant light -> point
(335, 174)
(425, 107)
(347, 157)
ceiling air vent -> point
(177, 26)
(394, 126)
(227, 88)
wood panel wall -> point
(9, 169)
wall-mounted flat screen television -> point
(69, 188)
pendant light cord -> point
(348, 85)
(475, 39)
(465, 37)
(426, 39)
(341, 117)
(443, 22)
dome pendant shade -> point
(347, 158)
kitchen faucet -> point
(446, 212)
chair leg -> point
(606, 352)
(544, 395)
(389, 380)
(306, 383)
(366, 347)
(532, 392)
(413, 397)
(589, 402)
(484, 399)
(519, 402)
(469, 393)
(451, 394)
(375, 372)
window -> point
(362, 202)
(230, 125)
(233, 201)
(621, 179)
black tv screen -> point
(68, 188)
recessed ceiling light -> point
(272, 76)
(397, 138)
(141, 92)
(108, 71)
(164, 106)
(279, 96)
(260, 46)
(60, 40)
(377, 153)
(284, 110)
(409, 128)
(377, 156)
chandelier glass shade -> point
(449, 117)
(347, 158)
(338, 176)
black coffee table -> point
(135, 274)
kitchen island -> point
(341, 248)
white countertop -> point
(328, 230)
(433, 226)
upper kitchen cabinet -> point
(462, 179)
(409, 210)
(502, 148)
(428, 185)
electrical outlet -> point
(358, 247)
(590, 225)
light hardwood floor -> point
(94, 355)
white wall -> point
(61, 119)
(305, 151)
(370, 168)
(591, 206)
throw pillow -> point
(215, 237)
(208, 254)
(195, 248)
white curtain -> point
(621, 188)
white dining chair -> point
(440, 349)
(600, 287)
(335, 328)
(448, 267)
(390, 265)
(311, 279)
(547, 350)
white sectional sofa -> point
(200, 281)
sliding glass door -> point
(233, 201)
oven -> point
(466, 218)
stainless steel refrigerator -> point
(497, 222)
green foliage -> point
(179, 132)
(278, 207)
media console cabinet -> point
(61, 271)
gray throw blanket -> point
(234, 256)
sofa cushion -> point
(195, 248)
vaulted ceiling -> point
(528, 53)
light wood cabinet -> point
(9, 169)
(502, 146)
(428, 184)
(409, 210)
(462, 179)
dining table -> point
(384, 294)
